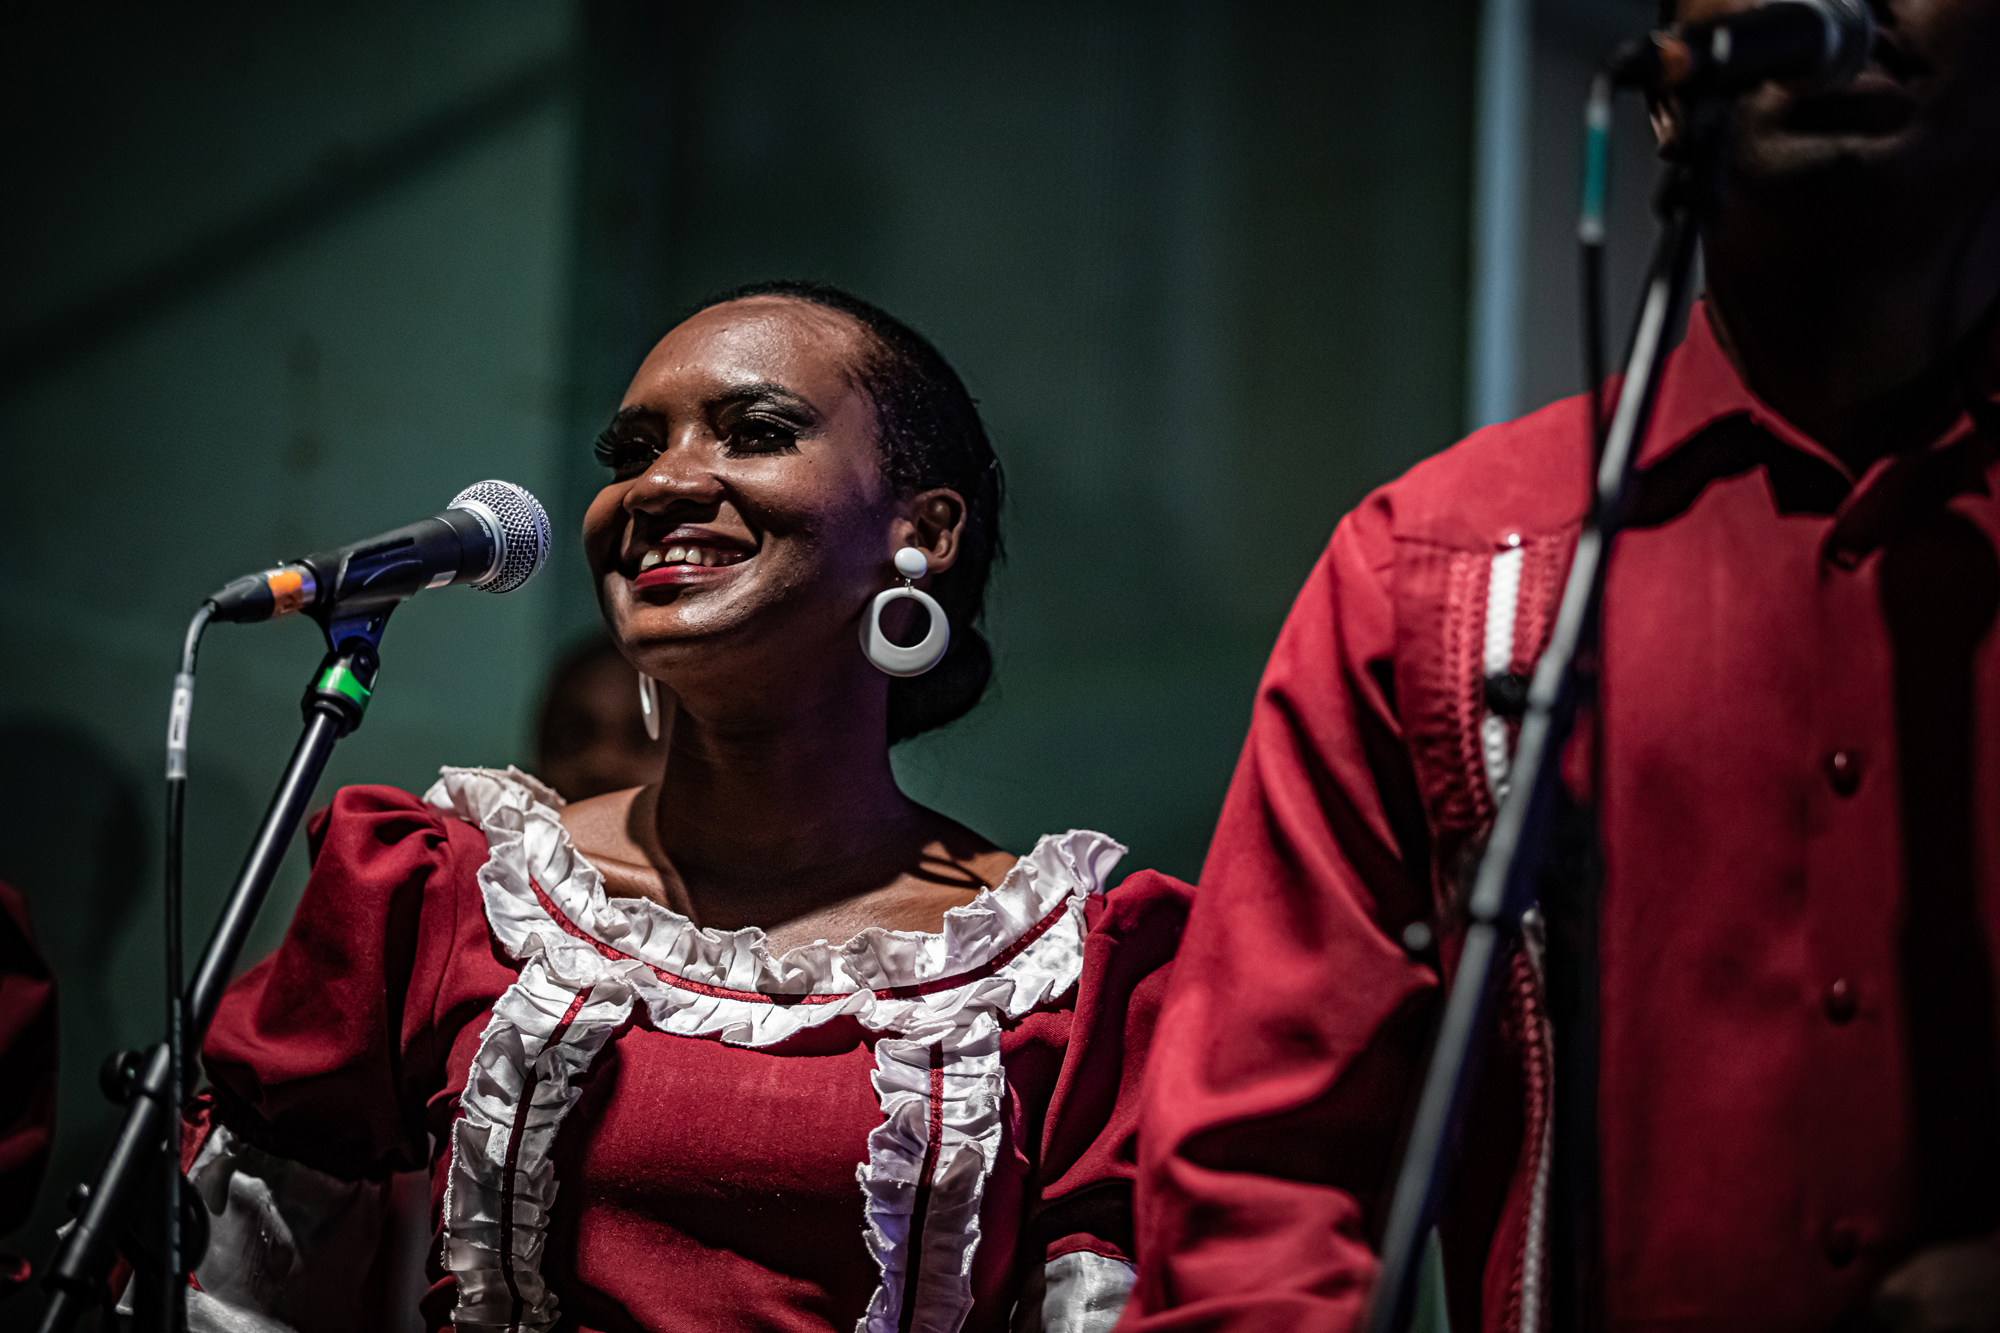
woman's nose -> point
(683, 472)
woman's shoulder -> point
(1145, 893)
(373, 821)
(373, 844)
(1141, 918)
(1117, 932)
(1078, 865)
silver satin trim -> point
(1080, 1292)
(269, 1219)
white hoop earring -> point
(889, 658)
(649, 705)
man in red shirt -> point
(1799, 1109)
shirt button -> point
(1841, 1243)
(1840, 1002)
(1843, 772)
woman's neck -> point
(768, 813)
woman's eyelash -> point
(617, 449)
(755, 435)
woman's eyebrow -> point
(627, 417)
(766, 392)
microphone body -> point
(1825, 41)
(494, 536)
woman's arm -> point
(323, 1059)
(1293, 1032)
(1078, 1248)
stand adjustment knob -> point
(119, 1075)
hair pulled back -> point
(931, 436)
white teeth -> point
(700, 557)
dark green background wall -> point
(280, 276)
(1206, 293)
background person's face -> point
(593, 738)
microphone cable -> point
(179, 715)
(1590, 232)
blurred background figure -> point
(73, 848)
(590, 738)
(27, 1077)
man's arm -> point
(1292, 1035)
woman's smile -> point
(688, 556)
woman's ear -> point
(934, 522)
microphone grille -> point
(524, 532)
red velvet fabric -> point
(701, 1185)
(1784, 777)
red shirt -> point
(1801, 813)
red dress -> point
(1801, 810)
(633, 1123)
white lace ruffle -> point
(588, 959)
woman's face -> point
(748, 521)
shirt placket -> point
(1853, 1113)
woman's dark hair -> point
(931, 436)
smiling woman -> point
(861, 388)
(762, 1043)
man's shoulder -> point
(1527, 476)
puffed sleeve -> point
(1294, 1030)
(324, 1056)
(327, 1051)
(1079, 1226)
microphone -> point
(493, 535)
(1824, 41)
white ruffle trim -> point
(545, 1031)
(589, 958)
(949, 1084)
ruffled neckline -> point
(588, 961)
(521, 816)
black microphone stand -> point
(126, 1210)
(1537, 822)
